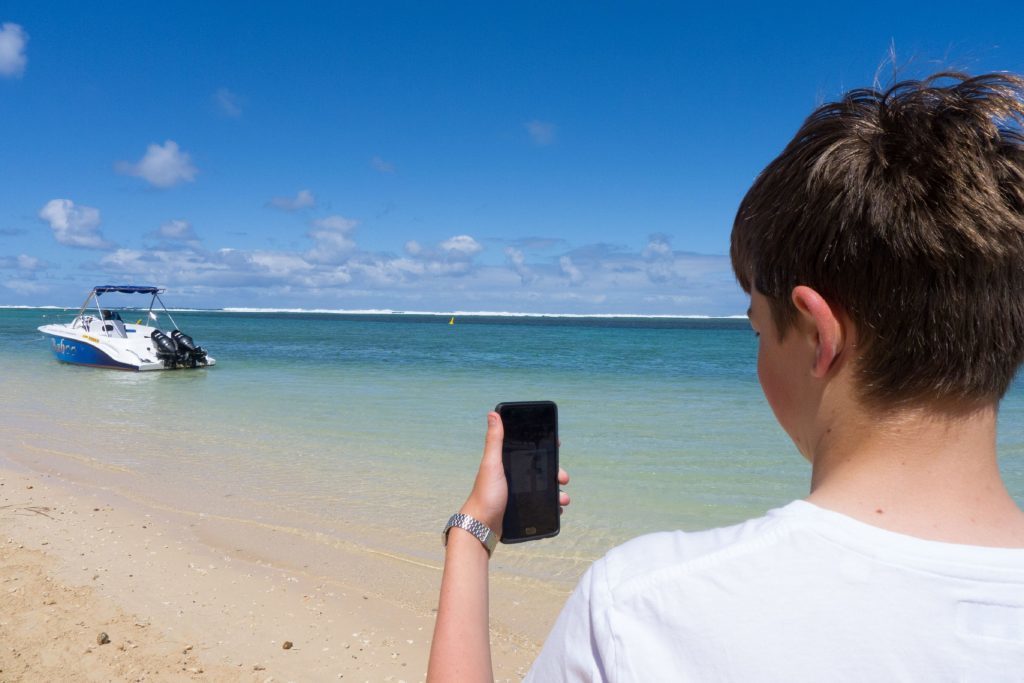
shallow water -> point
(369, 427)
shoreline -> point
(229, 589)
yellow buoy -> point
(452, 321)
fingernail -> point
(491, 418)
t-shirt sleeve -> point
(579, 647)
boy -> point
(883, 251)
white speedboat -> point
(99, 337)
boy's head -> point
(904, 209)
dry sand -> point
(186, 596)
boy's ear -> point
(819, 319)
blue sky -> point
(549, 157)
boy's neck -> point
(918, 473)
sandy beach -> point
(182, 595)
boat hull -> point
(134, 352)
(80, 352)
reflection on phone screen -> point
(529, 470)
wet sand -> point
(185, 595)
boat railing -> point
(110, 322)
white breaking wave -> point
(47, 308)
(388, 311)
(487, 314)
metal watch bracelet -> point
(473, 526)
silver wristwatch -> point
(477, 528)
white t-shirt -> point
(801, 594)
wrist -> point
(463, 545)
(483, 515)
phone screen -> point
(530, 458)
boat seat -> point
(115, 328)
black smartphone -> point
(530, 457)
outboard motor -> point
(196, 354)
(166, 349)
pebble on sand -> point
(102, 638)
(287, 645)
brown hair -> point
(904, 208)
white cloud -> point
(379, 164)
(320, 279)
(336, 223)
(386, 272)
(26, 262)
(517, 260)
(225, 268)
(541, 133)
(124, 260)
(658, 246)
(26, 287)
(303, 200)
(453, 257)
(660, 261)
(331, 239)
(570, 270)
(228, 102)
(665, 267)
(538, 243)
(450, 274)
(461, 244)
(162, 165)
(279, 263)
(22, 262)
(74, 226)
(176, 230)
(178, 266)
(12, 50)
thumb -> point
(487, 500)
(492, 443)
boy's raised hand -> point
(489, 496)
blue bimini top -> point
(126, 289)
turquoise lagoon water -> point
(369, 427)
